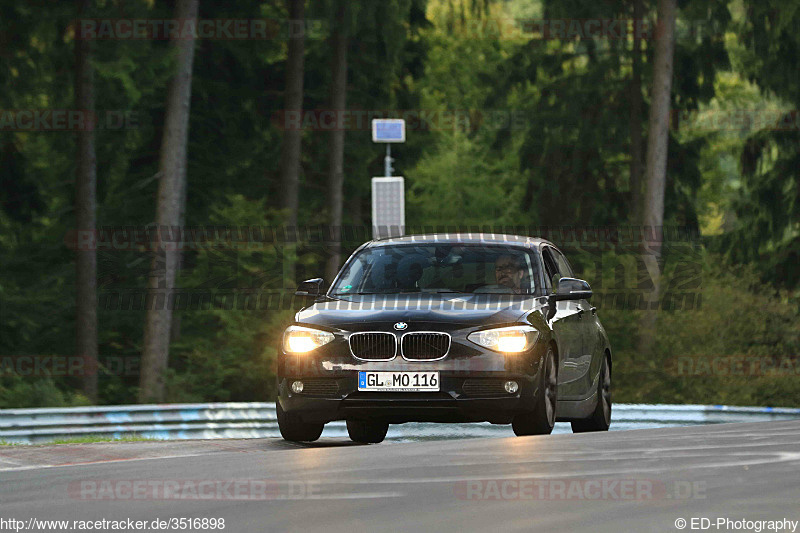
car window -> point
(438, 267)
(563, 265)
(550, 267)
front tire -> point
(601, 416)
(541, 420)
(367, 431)
(295, 430)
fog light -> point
(511, 387)
(297, 387)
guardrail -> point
(258, 420)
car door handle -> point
(594, 310)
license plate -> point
(398, 381)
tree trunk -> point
(292, 138)
(290, 156)
(175, 328)
(656, 169)
(339, 41)
(172, 171)
(636, 117)
(85, 214)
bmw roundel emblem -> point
(400, 326)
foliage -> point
(741, 322)
(767, 204)
(546, 142)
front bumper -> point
(471, 382)
(460, 399)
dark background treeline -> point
(522, 129)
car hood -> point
(447, 311)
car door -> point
(566, 326)
(581, 364)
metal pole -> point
(387, 161)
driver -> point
(509, 272)
(510, 275)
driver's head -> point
(509, 271)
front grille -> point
(373, 345)
(483, 388)
(320, 387)
(425, 346)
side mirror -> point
(568, 289)
(572, 289)
(310, 287)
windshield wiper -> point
(425, 291)
(356, 293)
(400, 291)
(444, 291)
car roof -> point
(460, 238)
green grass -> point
(87, 439)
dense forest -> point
(532, 116)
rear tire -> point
(295, 430)
(367, 431)
(601, 416)
(541, 420)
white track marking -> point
(93, 463)
(778, 458)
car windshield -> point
(439, 268)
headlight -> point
(298, 339)
(512, 339)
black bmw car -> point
(446, 328)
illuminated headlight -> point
(299, 339)
(512, 339)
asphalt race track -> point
(625, 481)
